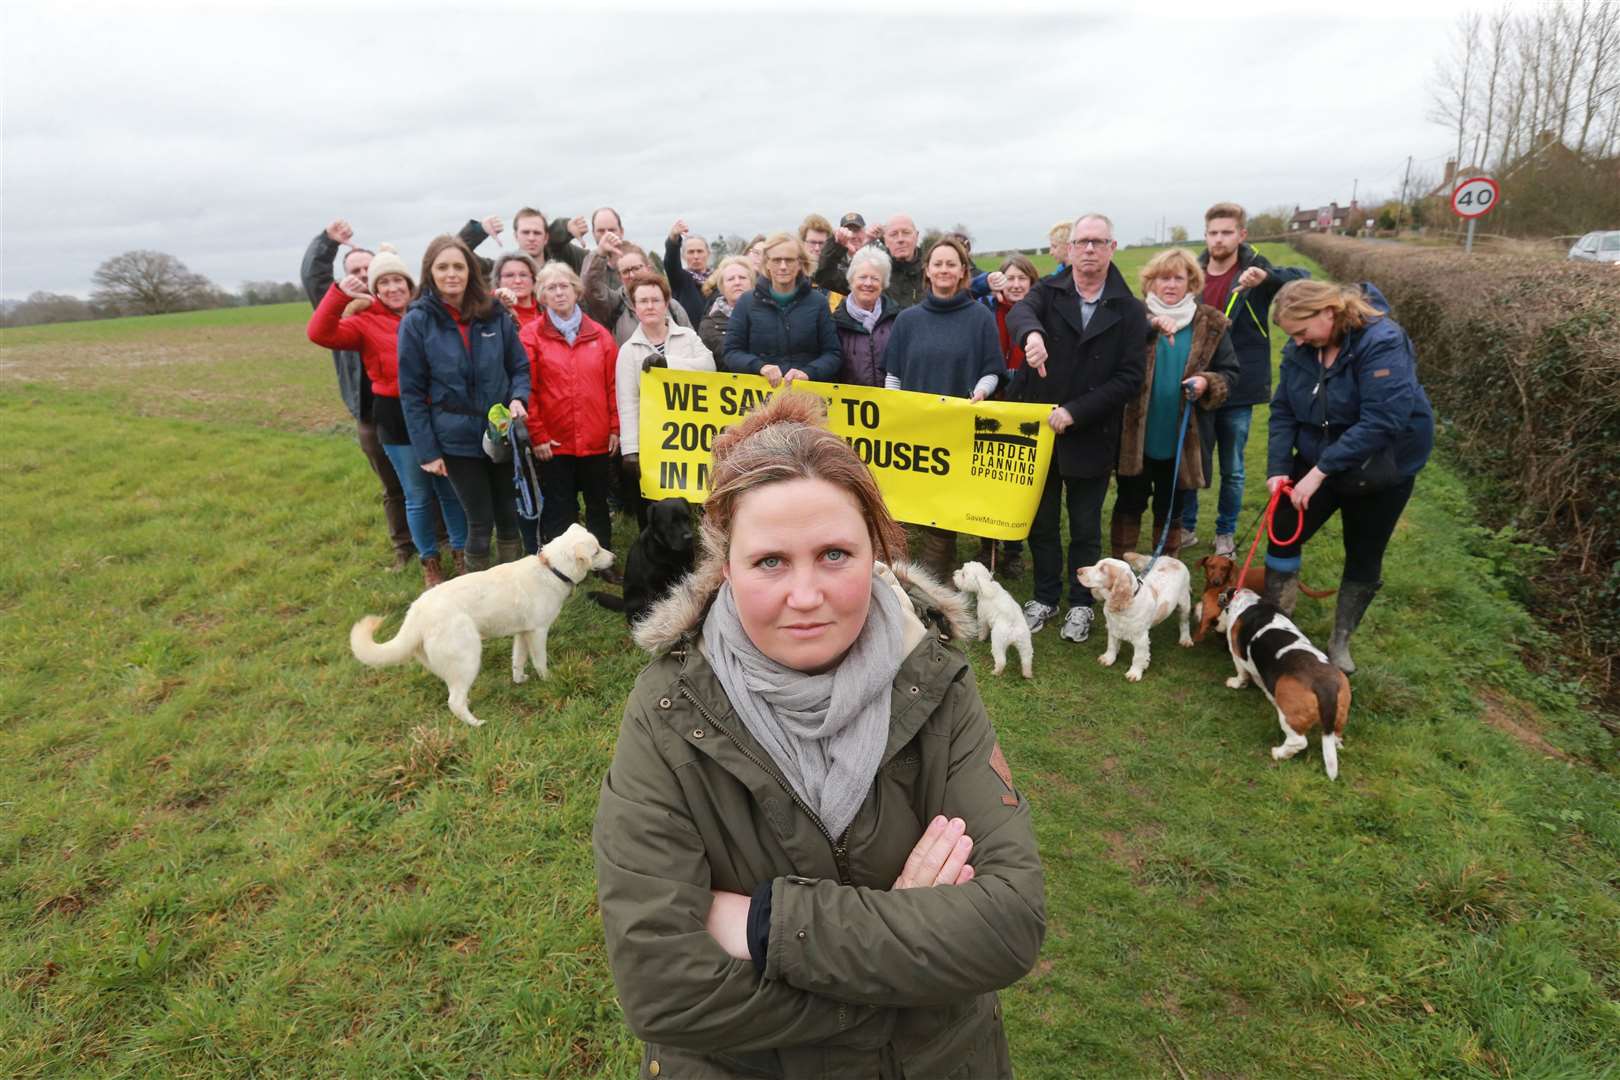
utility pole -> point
(1355, 186)
(1404, 181)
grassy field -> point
(230, 850)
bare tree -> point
(1453, 80)
(150, 283)
(1605, 40)
(1495, 57)
(46, 307)
(1572, 45)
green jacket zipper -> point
(840, 851)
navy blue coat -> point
(1370, 398)
(944, 346)
(445, 390)
(803, 336)
(1092, 369)
(1251, 336)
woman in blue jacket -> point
(458, 355)
(1351, 427)
(784, 328)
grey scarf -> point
(866, 318)
(825, 732)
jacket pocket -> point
(669, 1063)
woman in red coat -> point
(372, 330)
(513, 275)
(573, 411)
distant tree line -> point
(143, 283)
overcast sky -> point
(229, 135)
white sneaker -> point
(1036, 614)
(1226, 545)
(1188, 539)
(1077, 627)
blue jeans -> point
(1231, 440)
(420, 490)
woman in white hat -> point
(366, 319)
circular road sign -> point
(1475, 197)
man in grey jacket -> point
(316, 276)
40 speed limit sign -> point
(1474, 197)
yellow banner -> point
(946, 462)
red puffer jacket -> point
(573, 402)
(372, 332)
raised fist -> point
(678, 229)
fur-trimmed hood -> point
(681, 613)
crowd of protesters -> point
(560, 335)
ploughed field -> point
(229, 849)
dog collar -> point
(562, 577)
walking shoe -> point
(1011, 567)
(1077, 627)
(1225, 545)
(402, 559)
(610, 576)
(1189, 539)
(1036, 614)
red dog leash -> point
(1270, 531)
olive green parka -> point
(860, 980)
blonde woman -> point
(1189, 348)
(1351, 427)
(731, 279)
(783, 328)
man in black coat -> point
(1084, 338)
(686, 276)
(1240, 282)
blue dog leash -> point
(1175, 478)
(529, 499)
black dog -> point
(658, 558)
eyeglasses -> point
(782, 260)
(1090, 242)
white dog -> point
(446, 626)
(1132, 611)
(1000, 618)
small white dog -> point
(446, 626)
(1131, 611)
(999, 616)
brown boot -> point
(1124, 531)
(459, 560)
(432, 573)
(403, 557)
(1172, 544)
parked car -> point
(1603, 247)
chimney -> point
(1451, 172)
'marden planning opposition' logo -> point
(1003, 456)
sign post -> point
(1473, 198)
